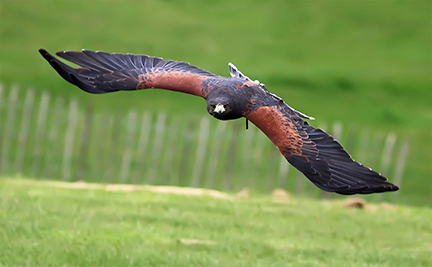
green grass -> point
(47, 226)
(363, 63)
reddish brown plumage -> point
(173, 80)
(246, 84)
(278, 128)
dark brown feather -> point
(102, 72)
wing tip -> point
(42, 51)
(366, 189)
(45, 54)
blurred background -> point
(362, 69)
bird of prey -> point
(312, 151)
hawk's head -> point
(222, 108)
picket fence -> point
(48, 138)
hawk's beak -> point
(219, 109)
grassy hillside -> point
(363, 63)
(353, 55)
(47, 226)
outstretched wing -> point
(101, 72)
(236, 73)
(315, 153)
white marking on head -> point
(219, 109)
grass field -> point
(365, 63)
(42, 225)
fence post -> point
(271, 163)
(159, 129)
(230, 157)
(214, 156)
(364, 143)
(178, 164)
(376, 148)
(200, 152)
(10, 121)
(1, 145)
(401, 161)
(386, 156)
(69, 139)
(40, 129)
(125, 165)
(143, 141)
(173, 149)
(337, 131)
(300, 183)
(387, 153)
(257, 158)
(23, 135)
(99, 143)
(247, 156)
(283, 172)
(85, 139)
(53, 137)
(111, 140)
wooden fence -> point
(50, 138)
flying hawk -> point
(312, 151)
